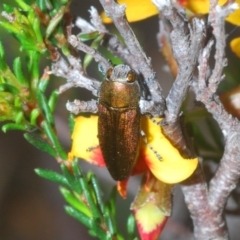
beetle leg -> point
(82, 106)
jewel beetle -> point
(119, 120)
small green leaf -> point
(40, 143)
(76, 169)
(55, 21)
(87, 60)
(53, 138)
(45, 107)
(31, 16)
(33, 67)
(3, 64)
(108, 219)
(88, 222)
(88, 36)
(72, 180)
(5, 87)
(43, 83)
(44, 4)
(23, 5)
(52, 176)
(17, 102)
(63, 1)
(120, 237)
(87, 189)
(71, 123)
(13, 126)
(37, 30)
(89, 197)
(95, 45)
(17, 68)
(97, 192)
(7, 8)
(33, 116)
(53, 100)
(19, 117)
(75, 202)
(65, 50)
(131, 226)
(10, 27)
(112, 201)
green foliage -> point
(22, 95)
(40, 143)
(95, 45)
(131, 227)
(85, 203)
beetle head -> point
(121, 73)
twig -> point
(228, 173)
(140, 62)
(117, 13)
(110, 41)
(82, 106)
(186, 44)
(74, 74)
(225, 179)
(76, 43)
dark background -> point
(31, 208)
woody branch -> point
(205, 205)
(208, 219)
(187, 42)
(228, 173)
(140, 62)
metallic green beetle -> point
(119, 121)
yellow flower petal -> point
(172, 168)
(150, 221)
(85, 141)
(235, 46)
(234, 17)
(202, 7)
(199, 6)
(136, 10)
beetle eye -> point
(131, 76)
(109, 73)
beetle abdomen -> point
(119, 136)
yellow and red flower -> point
(172, 168)
(152, 207)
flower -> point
(85, 143)
(235, 44)
(152, 207)
(202, 7)
(136, 10)
(171, 168)
(139, 10)
(150, 221)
